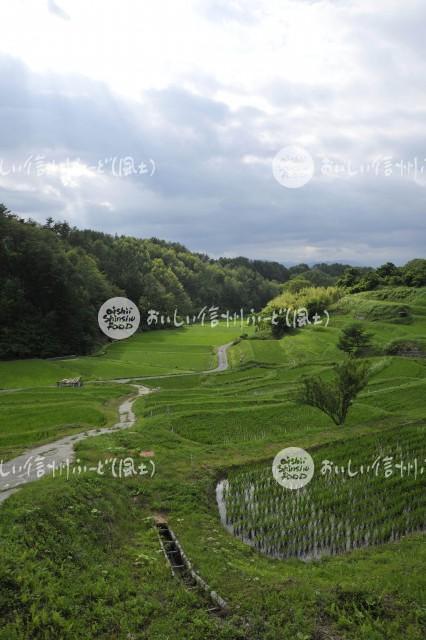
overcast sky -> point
(195, 98)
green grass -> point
(79, 559)
(152, 353)
(33, 417)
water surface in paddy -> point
(331, 515)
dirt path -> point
(222, 365)
(23, 469)
(222, 358)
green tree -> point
(414, 273)
(348, 278)
(354, 339)
(315, 300)
(296, 284)
(318, 278)
(386, 270)
(369, 282)
(334, 398)
(49, 292)
(297, 269)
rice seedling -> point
(376, 499)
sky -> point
(174, 119)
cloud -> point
(56, 10)
(222, 11)
(341, 79)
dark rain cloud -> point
(213, 188)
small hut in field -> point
(70, 382)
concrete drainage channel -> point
(182, 568)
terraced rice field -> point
(357, 498)
(342, 559)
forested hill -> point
(54, 278)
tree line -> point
(54, 278)
(356, 279)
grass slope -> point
(32, 417)
(80, 559)
(146, 354)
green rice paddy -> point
(343, 559)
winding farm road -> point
(222, 365)
(222, 358)
(25, 468)
(54, 455)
